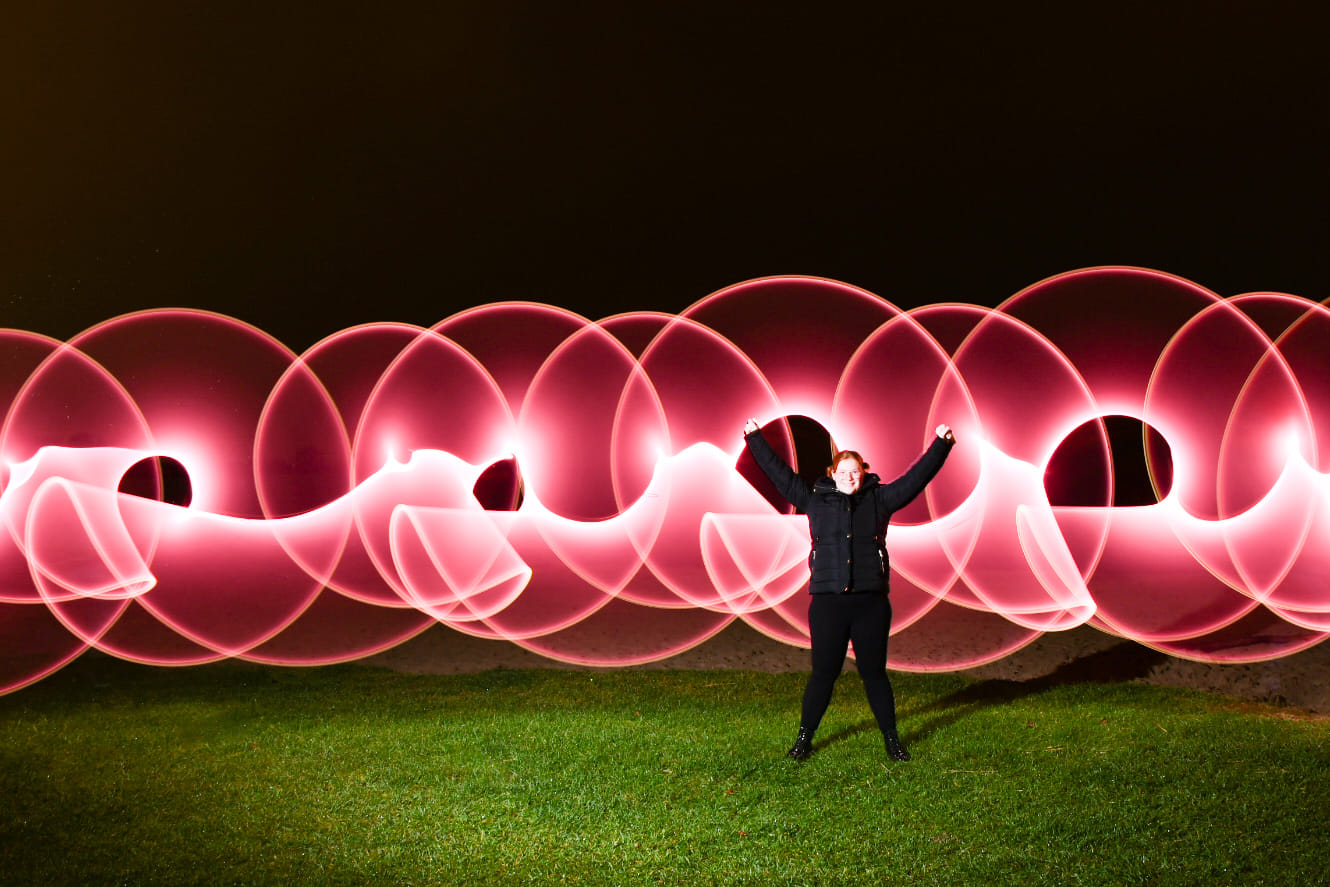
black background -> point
(308, 167)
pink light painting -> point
(522, 473)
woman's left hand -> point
(944, 432)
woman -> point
(848, 511)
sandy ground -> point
(1300, 682)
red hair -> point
(841, 456)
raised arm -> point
(786, 481)
(901, 491)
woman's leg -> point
(829, 627)
(869, 630)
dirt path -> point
(1301, 681)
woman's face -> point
(848, 475)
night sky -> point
(306, 167)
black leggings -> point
(833, 621)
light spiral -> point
(335, 508)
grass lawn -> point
(112, 773)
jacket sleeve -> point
(901, 491)
(787, 482)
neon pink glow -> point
(335, 508)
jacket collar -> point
(827, 485)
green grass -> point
(236, 774)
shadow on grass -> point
(1123, 662)
(865, 726)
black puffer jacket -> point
(848, 531)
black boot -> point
(803, 745)
(895, 750)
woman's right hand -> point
(750, 426)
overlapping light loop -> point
(335, 509)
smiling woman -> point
(847, 520)
(847, 470)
